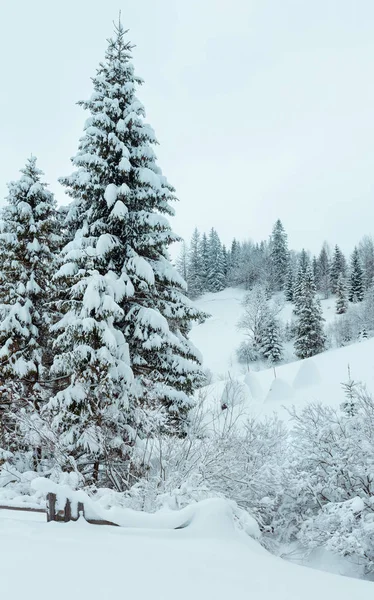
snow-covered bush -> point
(329, 497)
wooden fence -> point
(61, 515)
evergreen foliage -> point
(272, 347)
(310, 339)
(356, 288)
(216, 269)
(338, 268)
(341, 296)
(195, 267)
(278, 256)
(123, 339)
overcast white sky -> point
(263, 108)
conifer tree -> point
(278, 256)
(28, 245)
(341, 296)
(182, 261)
(310, 339)
(272, 347)
(204, 261)
(120, 206)
(323, 271)
(338, 267)
(356, 287)
(194, 281)
(216, 271)
(303, 265)
(290, 284)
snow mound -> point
(235, 393)
(279, 390)
(254, 385)
(307, 374)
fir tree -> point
(290, 283)
(272, 347)
(310, 339)
(278, 256)
(194, 281)
(341, 296)
(356, 288)
(303, 265)
(182, 261)
(28, 244)
(216, 271)
(323, 271)
(204, 261)
(120, 206)
(338, 267)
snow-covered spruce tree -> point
(290, 284)
(341, 296)
(338, 267)
(356, 287)
(120, 199)
(29, 242)
(366, 251)
(216, 270)
(323, 271)
(182, 261)
(310, 338)
(271, 346)
(303, 264)
(204, 261)
(194, 281)
(278, 257)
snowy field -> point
(208, 560)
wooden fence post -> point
(51, 507)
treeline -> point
(208, 266)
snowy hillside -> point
(208, 559)
(219, 337)
(316, 379)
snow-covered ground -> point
(207, 560)
(270, 390)
(219, 337)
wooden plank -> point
(23, 508)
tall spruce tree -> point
(290, 284)
(341, 296)
(303, 265)
(278, 257)
(120, 205)
(310, 339)
(28, 245)
(323, 271)
(204, 261)
(271, 346)
(195, 285)
(356, 287)
(216, 269)
(182, 261)
(338, 268)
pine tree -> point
(204, 261)
(278, 257)
(310, 339)
(338, 267)
(194, 281)
(323, 271)
(341, 296)
(216, 271)
(303, 266)
(290, 284)
(28, 244)
(272, 347)
(356, 288)
(182, 261)
(120, 205)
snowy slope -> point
(208, 560)
(296, 383)
(218, 338)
